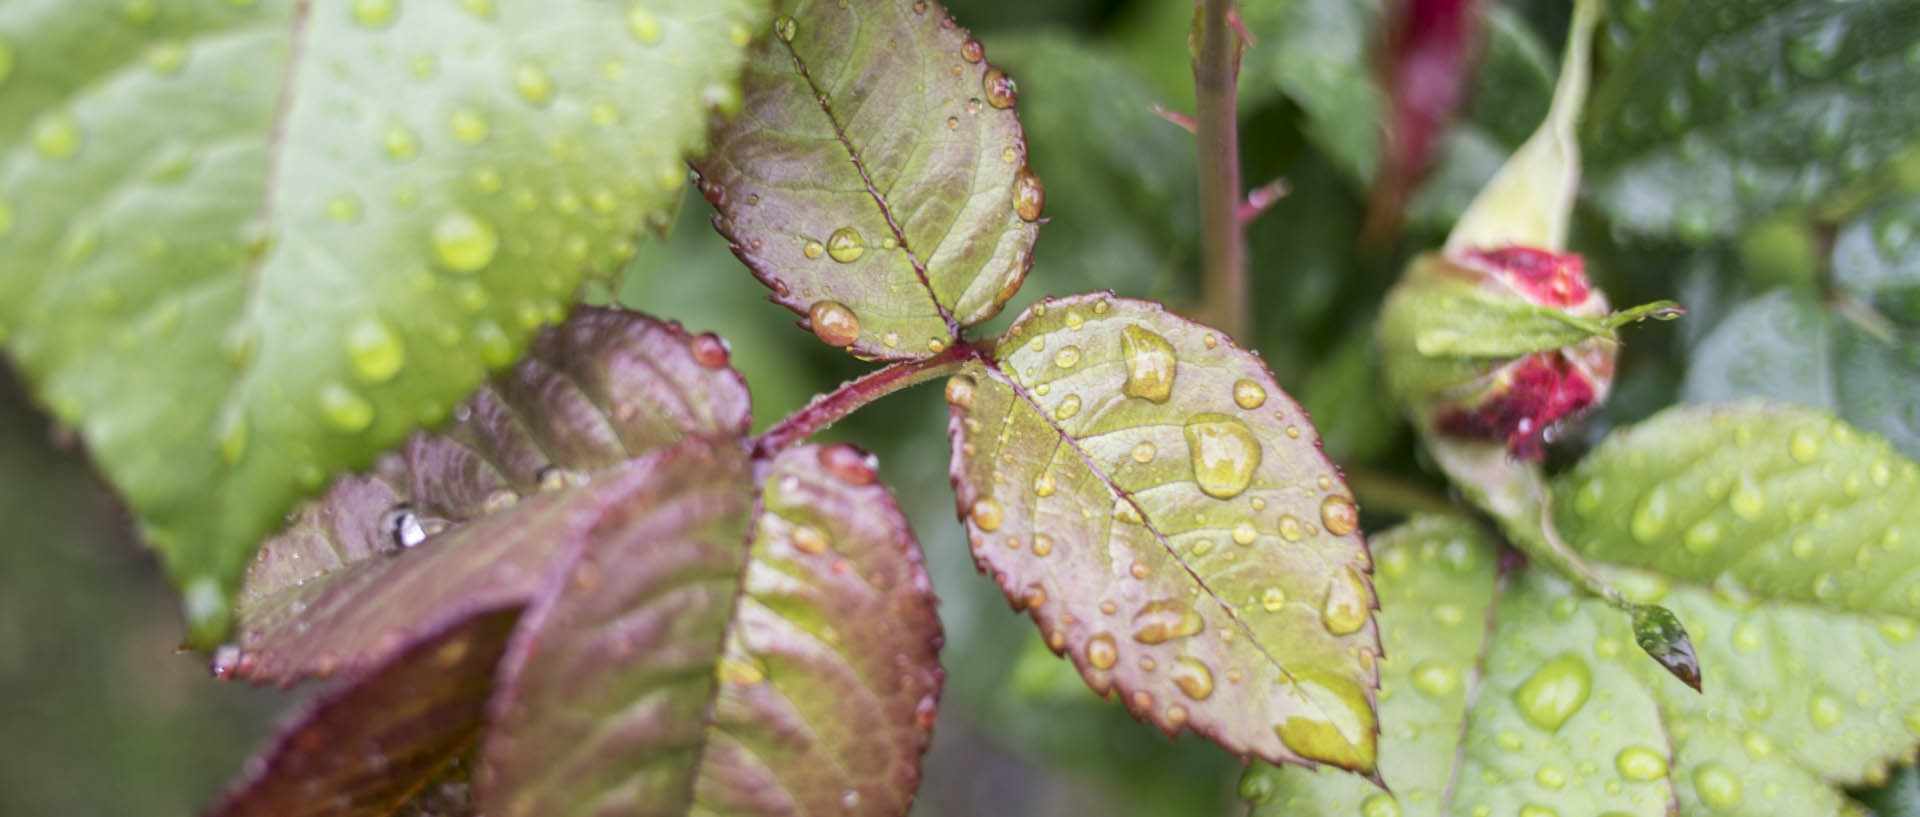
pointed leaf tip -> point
(1658, 631)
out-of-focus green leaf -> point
(1714, 114)
(1120, 180)
(667, 677)
(315, 226)
(1320, 53)
(1340, 397)
(1877, 257)
(1782, 502)
(877, 180)
(1507, 99)
(1786, 346)
(1147, 491)
(1567, 719)
(362, 749)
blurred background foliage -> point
(1808, 292)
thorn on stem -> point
(1176, 118)
(1261, 198)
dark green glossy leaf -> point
(362, 749)
(878, 179)
(677, 673)
(1567, 719)
(1714, 114)
(316, 225)
(1162, 508)
(1320, 53)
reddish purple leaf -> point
(658, 683)
(363, 748)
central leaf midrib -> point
(860, 166)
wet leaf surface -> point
(877, 179)
(1162, 508)
(348, 222)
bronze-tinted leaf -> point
(1146, 489)
(674, 673)
(362, 749)
(877, 178)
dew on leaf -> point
(644, 24)
(469, 126)
(1164, 620)
(1029, 195)
(1747, 500)
(1339, 515)
(1248, 394)
(1272, 599)
(1290, 528)
(374, 350)
(1192, 677)
(1345, 609)
(403, 526)
(57, 135)
(1144, 451)
(1550, 776)
(1803, 446)
(1042, 544)
(1555, 691)
(1702, 536)
(809, 540)
(1435, 678)
(1537, 810)
(845, 245)
(1823, 711)
(1244, 534)
(345, 409)
(960, 390)
(1224, 454)
(1067, 357)
(999, 89)
(463, 243)
(533, 84)
(1380, 804)
(710, 350)
(1069, 406)
(495, 348)
(1650, 516)
(374, 13)
(400, 143)
(1102, 653)
(833, 323)
(986, 514)
(343, 209)
(1718, 787)
(1151, 365)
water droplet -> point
(1435, 678)
(373, 13)
(533, 83)
(785, 28)
(986, 514)
(1029, 195)
(960, 391)
(845, 245)
(1824, 711)
(1717, 786)
(1811, 54)
(813, 249)
(1150, 365)
(1102, 653)
(1224, 453)
(1803, 446)
(1747, 500)
(1067, 357)
(1272, 599)
(1536, 810)
(1144, 451)
(400, 143)
(1345, 609)
(809, 539)
(345, 409)
(57, 135)
(1069, 406)
(1640, 764)
(1555, 691)
(1001, 92)
(463, 243)
(1160, 621)
(1192, 677)
(1650, 516)
(403, 526)
(1244, 534)
(972, 50)
(1248, 394)
(1349, 743)
(645, 25)
(1550, 776)
(849, 799)
(1042, 544)
(469, 126)
(1339, 515)
(374, 350)
(710, 350)
(740, 671)
(343, 209)
(1380, 804)
(1702, 536)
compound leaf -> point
(667, 677)
(877, 180)
(317, 225)
(1163, 509)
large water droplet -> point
(833, 323)
(1702, 536)
(1640, 764)
(1151, 365)
(1248, 394)
(1803, 446)
(1102, 653)
(1144, 452)
(345, 409)
(1650, 516)
(986, 514)
(960, 389)
(1348, 742)
(1747, 500)
(1380, 804)
(1339, 515)
(1069, 406)
(1435, 678)
(374, 350)
(1000, 90)
(463, 243)
(1067, 357)
(1224, 453)
(1166, 619)
(1029, 196)
(1718, 787)
(845, 245)
(1345, 609)
(1192, 677)
(1555, 691)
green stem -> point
(1216, 74)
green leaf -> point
(362, 749)
(1877, 256)
(1713, 115)
(510, 484)
(667, 677)
(1162, 508)
(1320, 53)
(877, 180)
(1785, 346)
(315, 226)
(1566, 719)
(1777, 501)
